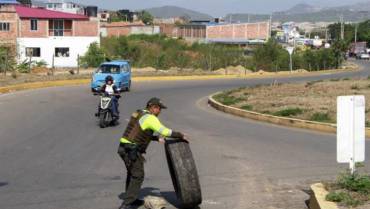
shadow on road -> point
(3, 184)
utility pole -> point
(356, 28)
(342, 27)
(270, 26)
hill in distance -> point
(307, 13)
(173, 11)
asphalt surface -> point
(53, 155)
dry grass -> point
(314, 100)
(30, 78)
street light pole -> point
(291, 63)
(290, 51)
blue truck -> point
(120, 70)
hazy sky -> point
(216, 7)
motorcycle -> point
(105, 111)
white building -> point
(57, 38)
(65, 6)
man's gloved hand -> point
(177, 135)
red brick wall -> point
(118, 31)
(239, 31)
(7, 14)
(42, 29)
(252, 31)
(86, 28)
(169, 30)
(192, 31)
(264, 29)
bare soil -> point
(303, 100)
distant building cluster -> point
(58, 31)
(219, 32)
(39, 34)
(299, 34)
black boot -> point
(138, 202)
(123, 206)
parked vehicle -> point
(357, 48)
(120, 70)
(105, 112)
(363, 56)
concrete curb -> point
(37, 85)
(317, 199)
(291, 122)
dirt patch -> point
(233, 70)
(144, 70)
(314, 101)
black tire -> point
(128, 88)
(102, 117)
(184, 173)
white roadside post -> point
(290, 51)
(351, 130)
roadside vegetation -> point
(349, 190)
(164, 53)
(315, 101)
(273, 57)
(363, 31)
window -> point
(33, 24)
(33, 52)
(4, 26)
(111, 69)
(58, 27)
(126, 69)
(62, 52)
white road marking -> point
(210, 202)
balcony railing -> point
(60, 32)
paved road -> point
(53, 155)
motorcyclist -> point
(110, 89)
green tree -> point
(25, 2)
(146, 17)
(309, 60)
(7, 60)
(363, 32)
(339, 48)
(93, 57)
(267, 56)
(335, 31)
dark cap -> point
(155, 101)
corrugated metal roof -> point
(8, 2)
(26, 12)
